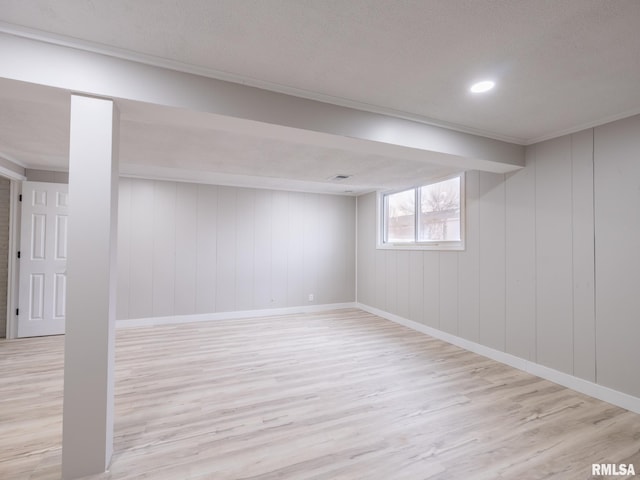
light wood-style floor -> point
(337, 395)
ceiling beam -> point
(90, 73)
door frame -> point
(13, 265)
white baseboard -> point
(594, 390)
(206, 317)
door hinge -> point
(20, 197)
(17, 311)
(18, 253)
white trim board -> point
(207, 317)
(591, 389)
(10, 174)
(13, 264)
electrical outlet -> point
(311, 297)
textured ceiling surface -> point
(560, 66)
(34, 129)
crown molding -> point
(585, 126)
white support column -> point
(87, 437)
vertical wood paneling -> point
(391, 274)
(279, 233)
(584, 365)
(521, 260)
(194, 249)
(380, 291)
(492, 260)
(449, 292)
(326, 252)
(124, 248)
(366, 248)
(245, 237)
(262, 249)
(141, 266)
(554, 287)
(617, 229)
(340, 260)
(416, 286)
(164, 248)
(186, 248)
(337, 274)
(206, 249)
(431, 288)
(363, 254)
(313, 236)
(226, 250)
(371, 246)
(402, 287)
(295, 251)
(469, 264)
(346, 292)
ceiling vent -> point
(339, 177)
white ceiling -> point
(560, 66)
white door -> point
(43, 259)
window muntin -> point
(430, 216)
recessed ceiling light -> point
(482, 87)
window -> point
(426, 217)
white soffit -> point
(177, 144)
(169, 142)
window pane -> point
(440, 211)
(401, 224)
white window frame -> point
(456, 245)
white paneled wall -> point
(532, 281)
(583, 252)
(191, 249)
(492, 260)
(186, 249)
(554, 280)
(431, 285)
(520, 251)
(617, 228)
(469, 265)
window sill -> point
(444, 247)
